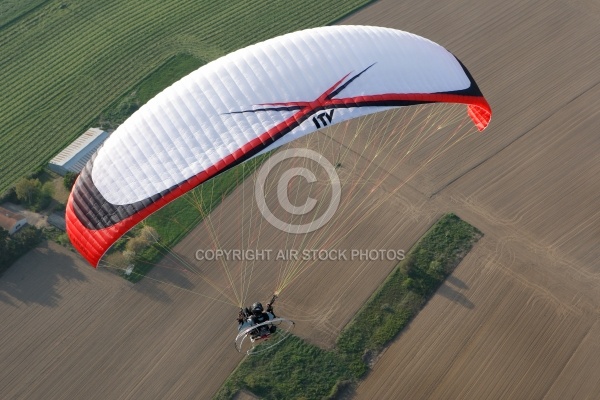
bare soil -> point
(520, 316)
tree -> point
(13, 247)
(69, 180)
(136, 245)
(149, 234)
(28, 190)
(116, 260)
(45, 196)
(4, 252)
(129, 256)
(436, 270)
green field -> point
(168, 73)
(63, 64)
(296, 369)
(12, 10)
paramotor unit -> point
(262, 337)
(257, 326)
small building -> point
(74, 157)
(11, 221)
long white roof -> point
(79, 151)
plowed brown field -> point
(519, 318)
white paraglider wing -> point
(250, 101)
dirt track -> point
(518, 319)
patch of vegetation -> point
(58, 236)
(64, 63)
(409, 286)
(128, 250)
(33, 194)
(298, 370)
(69, 180)
(42, 191)
(170, 72)
(295, 369)
(13, 247)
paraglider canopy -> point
(251, 101)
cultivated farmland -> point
(519, 318)
(64, 63)
(11, 10)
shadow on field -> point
(456, 282)
(454, 295)
(168, 273)
(34, 278)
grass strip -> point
(294, 369)
(168, 73)
(409, 286)
(298, 370)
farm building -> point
(11, 221)
(74, 157)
